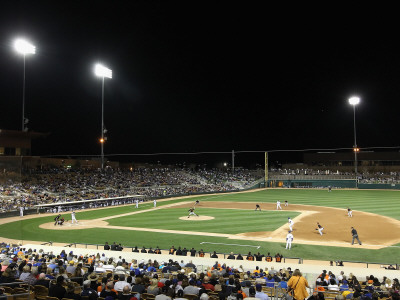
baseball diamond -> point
(228, 219)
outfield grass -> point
(226, 221)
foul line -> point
(258, 247)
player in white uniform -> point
(137, 203)
(278, 205)
(349, 212)
(73, 218)
(291, 223)
(289, 239)
(21, 211)
(155, 202)
(319, 228)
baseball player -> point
(137, 203)
(73, 218)
(56, 219)
(289, 239)
(286, 203)
(155, 202)
(191, 212)
(291, 223)
(355, 236)
(21, 211)
(197, 202)
(319, 228)
(349, 212)
(278, 205)
(258, 207)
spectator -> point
(58, 289)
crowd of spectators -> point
(67, 185)
(73, 276)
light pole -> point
(23, 47)
(102, 72)
(354, 101)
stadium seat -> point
(41, 291)
(147, 296)
(190, 296)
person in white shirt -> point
(332, 286)
(137, 203)
(119, 285)
(73, 218)
(278, 205)
(155, 202)
(291, 223)
(260, 294)
(289, 240)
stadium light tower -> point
(24, 47)
(103, 72)
(355, 101)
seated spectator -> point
(153, 288)
(206, 284)
(126, 294)
(88, 291)
(332, 285)
(139, 286)
(191, 288)
(259, 294)
(58, 289)
(70, 294)
(108, 291)
(42, 280)
(26, 271)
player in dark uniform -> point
(56, 219)
(320, 228)
(191, 212)
(258, 207)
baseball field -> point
(229, 222)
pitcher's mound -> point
(82, 224)
(194, 218)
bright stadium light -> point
(355, 101)
(24, 47)
(103, 72)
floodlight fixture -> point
(354, 100)
(102, 71)
(24, 47)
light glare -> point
(354, 100)
(24, 47)
(102, 71)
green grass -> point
(231, 221)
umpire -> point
(355, 236)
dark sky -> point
(194, 76)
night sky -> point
(200, 76)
